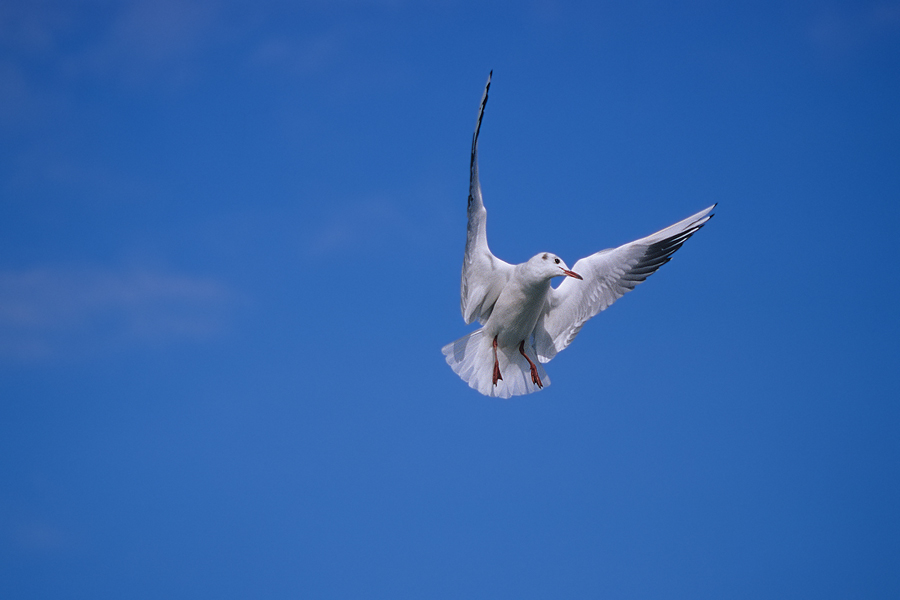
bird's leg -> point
(534, 374)
(497, 374)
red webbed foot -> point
(535, 378)
(497, 376)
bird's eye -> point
(557, 261)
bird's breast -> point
(516, 313)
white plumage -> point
(525, 321)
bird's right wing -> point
(483, 274)
(608, 275)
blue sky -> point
(229, 256)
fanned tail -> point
(472, 358)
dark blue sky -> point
(230, 247)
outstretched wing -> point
(483, 274)
(608, 275)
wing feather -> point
(608, 275)
(483, 274)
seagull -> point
(525, 321)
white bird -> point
(525, 320)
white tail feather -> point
(472, 358)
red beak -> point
(572, 274)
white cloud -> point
(153, 42)
(839, 32)
(134, 41)
(39, 537)
(299, 56)
(147, 40)
(47, 312)
(14, 92)
(360, 224)
(35, 27)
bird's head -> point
(548, 266)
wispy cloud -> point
(46, 312)
(161, 42)
(363, 224)
(149, 39)
(299, 56)
(36, 27)
(133, 41)
(39, 537)
(839, 32)
(14, 92)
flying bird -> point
(525, 321)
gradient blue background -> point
(230, 244)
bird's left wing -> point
(608, 275)
(483, 274)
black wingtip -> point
(473, 162)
